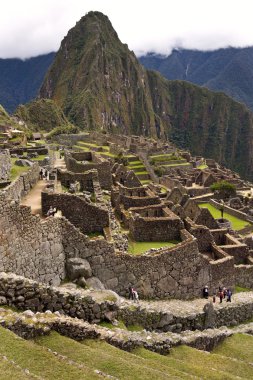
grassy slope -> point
(238, 346)
(104, 357)
(212, 362)
(230, 360)
(237, 224)
(17, 170)
(193, 369)
(38, 360)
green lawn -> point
(16, 170)
(139, 247)
(239, 289)
(170, 165)
(238, 346)
(165, 157)
(40, 157)
(103, 357)
(237, 224)
(38, 360)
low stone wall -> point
(76, 210)
(85, 179)
(101, 165)
(232, 211)
(70, 139)
(5, 165)
(23, 294)
(244, 276)
(23, 184)
(178, 272)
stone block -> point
(95, 283)
(78, 267)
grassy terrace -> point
(139, 247)
(54, 357)
(181, 164)
(204, 166)
(237, 223)
(165, 157)
(16, 170)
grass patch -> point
(171, 165)
(100, 355)
(134, 328)
(38, 360)
(95, 234)
(239, 289)
(139, 247)
(145, 181)
(237, 224)
(164, 157)
(40, 157)
(237, 346)
(206, 363)
(16, 170)
(203, 166)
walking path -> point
(33, 198)
(182, 308)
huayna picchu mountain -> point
(100, 84)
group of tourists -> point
(44, 173)
(222, 293)
(133, 295)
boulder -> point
(77, 268)
(22, 162)
(95, 283)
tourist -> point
(221, 295)
(51, 211)
(224, 292)
(205, 292)
(135, 295)
(229, 295)
(46, 174)
(41, 173)
(130, 294)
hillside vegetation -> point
(229, 70)
(100, 84)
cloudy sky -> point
(32, 27)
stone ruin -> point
(5, 165)
(109, 197)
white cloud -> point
(32, 27)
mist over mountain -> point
(229, 70)
(20, 80)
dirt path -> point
(33, 198)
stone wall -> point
(5, 165)
(28, 246)
(232, 211)
(165, 226)
(101, 165)
(87, 216)
(85, 179)
(25, 294)
(244, 276)
(23, 184)
(179, 272)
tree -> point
(223, 189)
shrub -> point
(223, 189)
